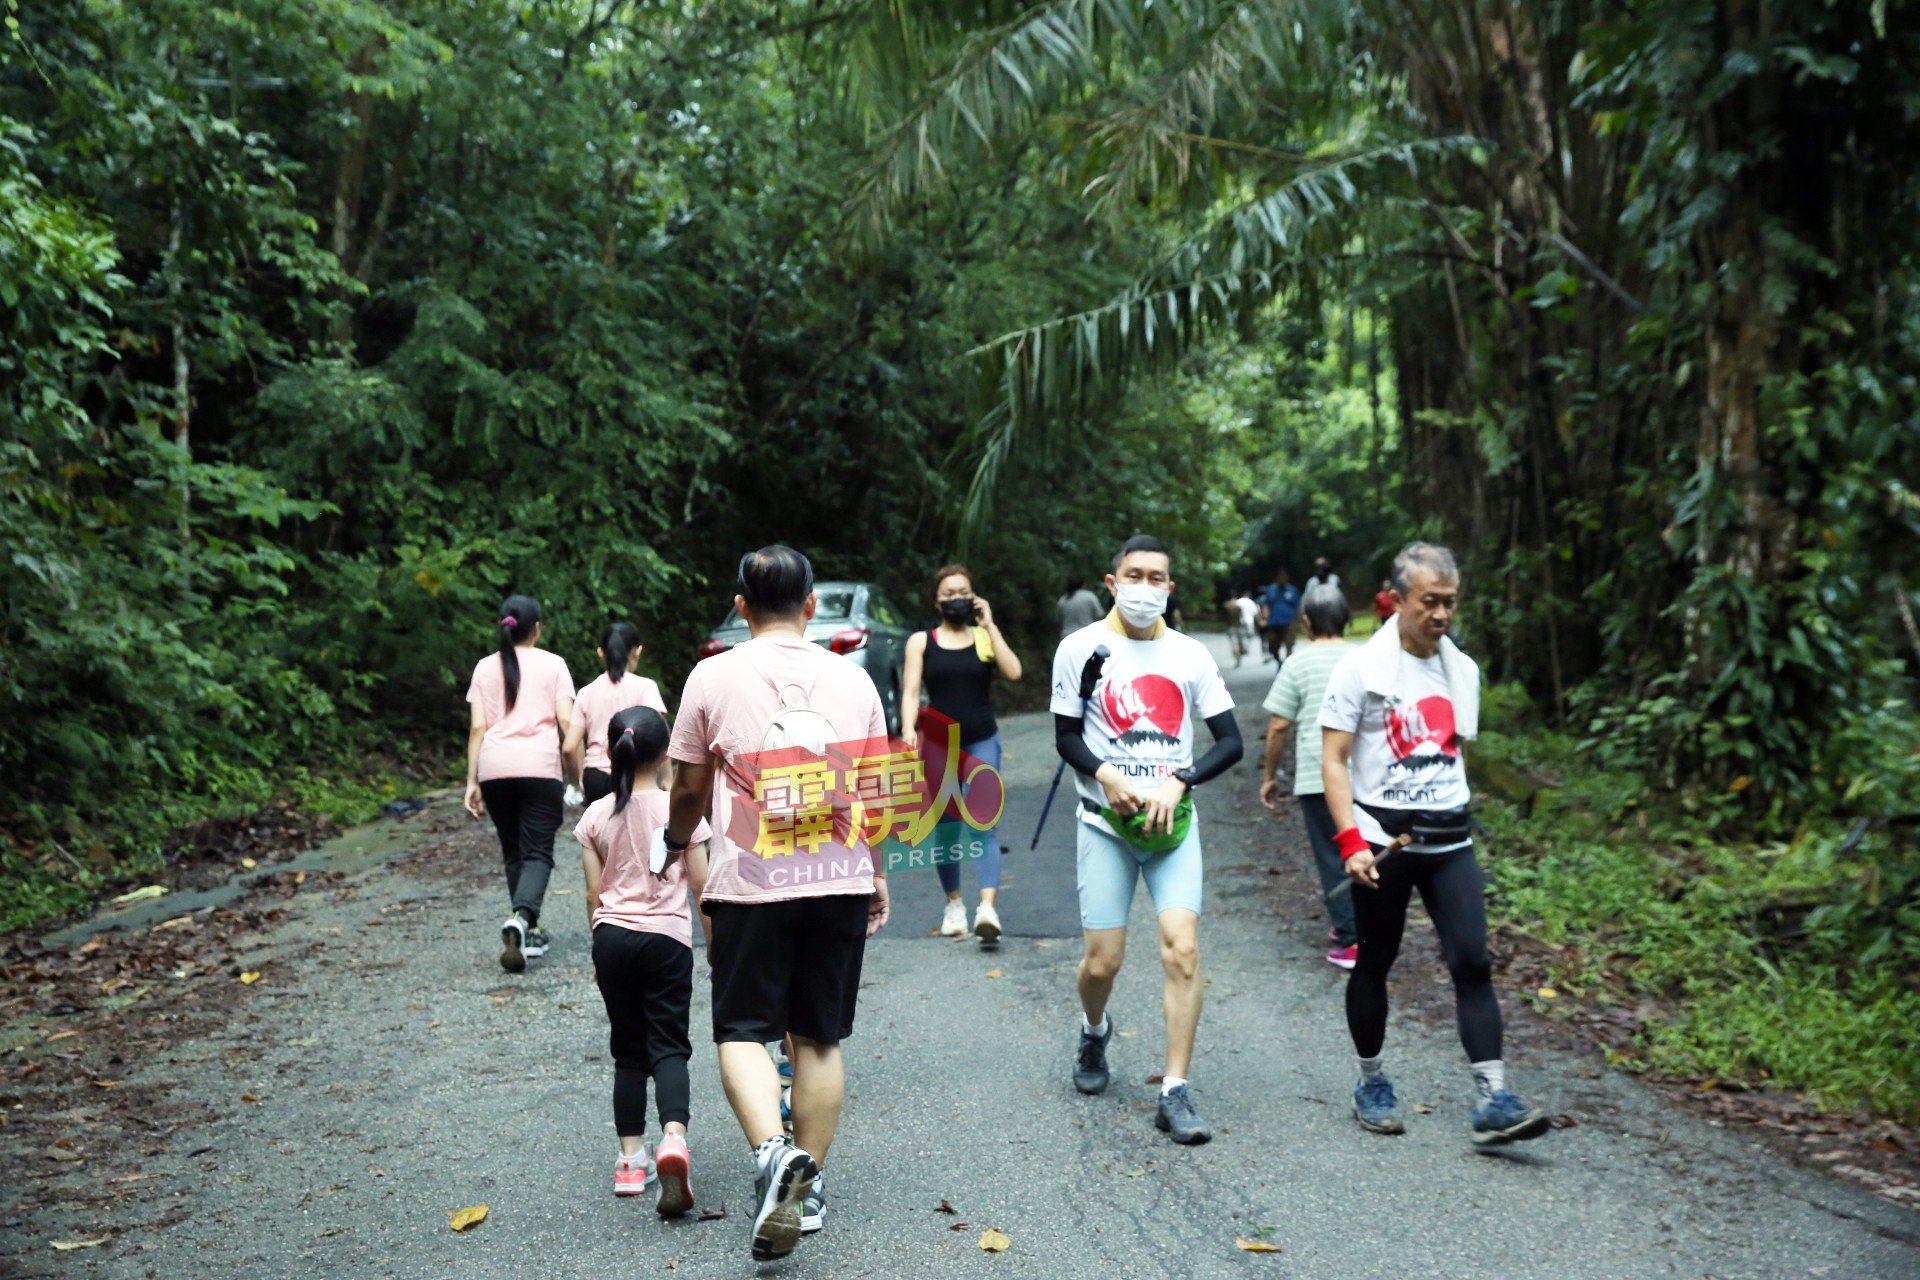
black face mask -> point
(959, 609)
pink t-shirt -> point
(630, 895)
(724, 712)
(523, 742)
(601, 700)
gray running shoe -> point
(1504, 1118)
(1178, 1119)
(783, 1177)
(1374, 1105)
(1090, 1074)
(814, 1215)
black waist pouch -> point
(1426, 826)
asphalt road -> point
(396, 1075)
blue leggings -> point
(986, 750)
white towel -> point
(1380, 664)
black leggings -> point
(1455, 895)
(526, 812)
(646, 980)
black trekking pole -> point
(1089, 677)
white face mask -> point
(1140, 605)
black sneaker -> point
(1090, 1074)
(783, 1175)
(538, 943)
(1177, 1118)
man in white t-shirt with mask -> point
(1129, 739)
(1397, 714)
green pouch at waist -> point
(1134, 830)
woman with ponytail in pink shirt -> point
(522, 699)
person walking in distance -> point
(1293, 708)
(1383, 605)
(1279, 605)
(1131, 748)
(789, 928)
(1397, 713)
(611, 692)
(957, 660)
(643, 956)
(1078, 607)
(1322, 575)
(522, 701)
(1243, 623)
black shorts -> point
(787, 966)
(595, 784)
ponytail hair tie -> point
(509, 622)
(627, 732)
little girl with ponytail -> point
(643, 954)
(614, 691)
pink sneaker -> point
(631, 1174)
(671, 1161)
(1344, 957)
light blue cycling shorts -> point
(1108, 867)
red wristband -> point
(1350, 842)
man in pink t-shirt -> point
(789, 925)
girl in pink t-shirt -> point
(522, 698)
(643, 954)
(618, 689)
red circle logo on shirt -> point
(1145, 707)
(1428, 724)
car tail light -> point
(709, 647)
(848, 640)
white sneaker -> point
(513, 944)
(954, 923)
(986, 924)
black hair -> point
(636, 738)
(775, 580)
(1074, 584)
(618, 645)
(1141, 542)
(519, 615)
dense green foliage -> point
(324, 326)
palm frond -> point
(1001, 80)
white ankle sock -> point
(1489, 1077)
(1370, 1067)
(1170, 1083)
(1105, 1025)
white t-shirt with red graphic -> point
(1405, 756)
(1142, 715)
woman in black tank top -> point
(957, 660)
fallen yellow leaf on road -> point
(1254, 1246)
(250, 977)
(140, 895)
(248, 863)
(994, 1240)
(66, 1245)
(996, 973)
(1548, 993)
(461, 1219)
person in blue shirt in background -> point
(1279, 606)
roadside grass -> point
(88, 856)
(1749, 962)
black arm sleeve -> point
(1225, 752)
(1069, 739)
